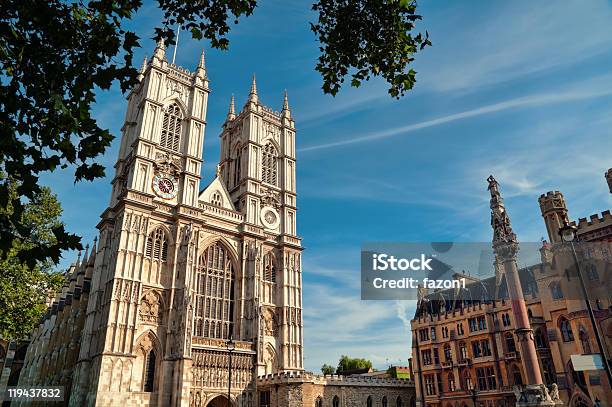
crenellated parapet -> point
(596, 227)
(330, 380)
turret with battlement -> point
(554, 212)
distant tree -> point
(347, 363)
(55, 55)
(24, 289)
(327, 369)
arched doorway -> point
(219, 401)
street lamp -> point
(231, 346)
(474, 394)
(568, 234)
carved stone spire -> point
(202, 61)
(609, 179)
(143, 68)
(231, 113)
(253, 93)
(286, 112)
(160, 50)
(500, 221)
(201, 70)
(92, 257)
(86, 256)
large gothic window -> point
(171, 127)
(157, 245)
(215, 294)
(269, 165)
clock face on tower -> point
(164, 186)
(270, 217)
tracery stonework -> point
(150, 308)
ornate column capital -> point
(506, 251)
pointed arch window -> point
(517, 378)
(157, 245)
(319, 402)
(584, 341)
(467, 381)
(269, 274)
(336, 402)
(566, 330)
(540, 339)
(384, 401)
(237, 165)
(398, 402)
(214, 294)
(369, 401)
(269, 165)
(451, 382)
(171, 127)
(447, 353)
(149, 372)
(556, 291)
(510, 344)
(592, 273)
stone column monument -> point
(506, 247)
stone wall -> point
(305, 389)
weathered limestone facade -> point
(146, 318)
(306, 389)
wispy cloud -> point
(516, 103)
(511, 40)
(337, 322)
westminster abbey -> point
(180, 277)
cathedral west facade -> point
(182, 278)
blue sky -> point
(522, 90)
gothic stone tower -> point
(179, 272)
(257, 166)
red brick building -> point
(465, 340)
